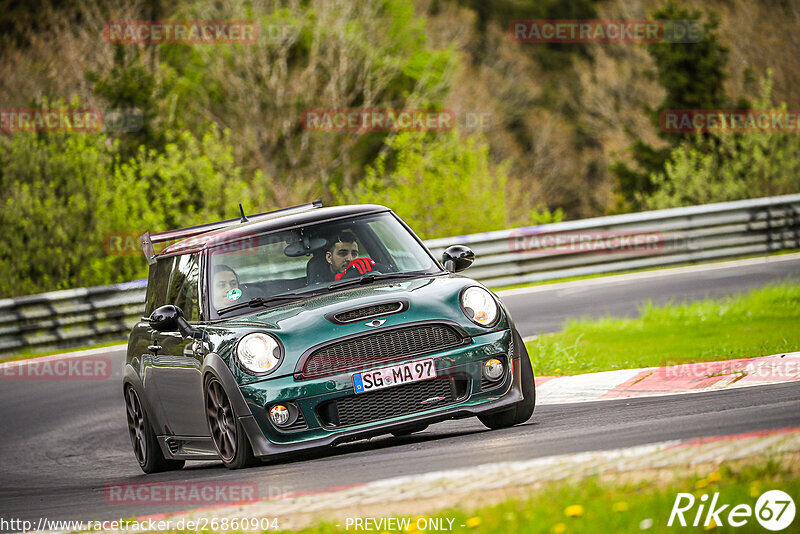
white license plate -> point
(394, 375)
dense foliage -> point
(67, 196)
(733, 167)
(434, 173)
(571, 129)
(692, 76)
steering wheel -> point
(353, 272)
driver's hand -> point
(362, 265)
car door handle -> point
(154, 348)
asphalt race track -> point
(64, 441)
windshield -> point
(313, 258)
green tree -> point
(130, 87)
(191, 181)
(729, 166)
(693, 76)
(58, 198)
(441, 184)
(63, 196)
(552, 56)
(319, 54)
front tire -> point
(226, 430)
(143, 438)
(523, 410)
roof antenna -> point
(243, 219)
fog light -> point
(279, 414)
(493, 369)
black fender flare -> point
(520, 352)
(214, 365)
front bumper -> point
(465, 362)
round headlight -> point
(479, 306)
(258, 353)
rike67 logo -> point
(774, 510)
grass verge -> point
(638, 502)
(760, 323)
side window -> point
(182, 291)
(157, 281)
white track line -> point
(66, 356)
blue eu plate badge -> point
(358, 383)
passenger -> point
(225, 280)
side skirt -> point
(188, 447)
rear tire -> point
(523, 410)
(227, 432)
(143, 438)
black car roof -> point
(234, 233)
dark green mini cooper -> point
(307, 327)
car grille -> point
(488, 384)
(380, 347)
(394, 401)
(299, 424)
(376, 310)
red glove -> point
(364, 265)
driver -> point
(342, 255)
(225, 279)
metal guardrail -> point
(72, 317)
(506, 257)
(608, 244)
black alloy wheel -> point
(227, 433)
(136, 427)
(143, 439)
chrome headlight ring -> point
(259, 353)
(479, 306)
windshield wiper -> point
(369, 278)
(260, 301)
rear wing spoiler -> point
(147, 239)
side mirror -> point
(457, 258)
(170, 318)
